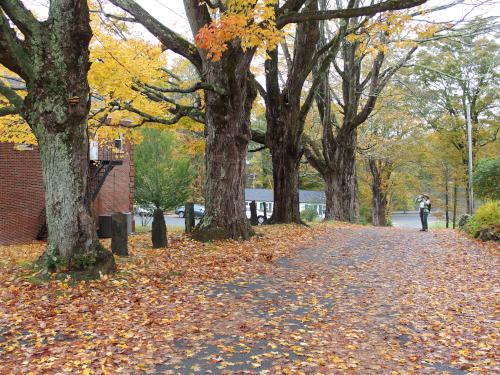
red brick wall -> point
(117, 193)
(22, 193)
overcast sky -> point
(171, 12)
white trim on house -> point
(308, 198)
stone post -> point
(253, 213)
(189, 216)
(119, 234)
(159, 230)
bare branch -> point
(7, 111)
(169, 38)
(197, 86)
(12, 53)
(20, 16)
(12, 96)
(295, 17)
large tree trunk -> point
(328, 177)
(344, 203)
(286, 187)
(379, 207)
(455, 201)
(379, 197)
(56, 108)
(447, 200)
(228, 134)
(286, 163)
(284, 121)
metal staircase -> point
(99, 170)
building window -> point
(118, 144)
(23, 147)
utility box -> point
(104, 226)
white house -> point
(307, 199)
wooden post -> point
(253, 213)
(119, 235)
(159, 230)
(265, 211)
(189, 216)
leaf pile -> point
(126, 323)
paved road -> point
(357, 301)
(172, 221)
(410, 220)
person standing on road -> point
(424, 208)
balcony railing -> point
(108, 152)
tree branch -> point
(12, 96)
(259, 137)
(12, 54)
(197, 86)
(169, 38)
(20, 16)
(295, 17)
(7, 111)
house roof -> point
(266, 195)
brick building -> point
(22, 213)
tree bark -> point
(447, 199)
(284, 121)
(379, 197)
(328, 177)
(344, 203)
(286, 182)
(455, 200)
(56, 108)
(228, 134)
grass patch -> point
(142, 228)
(438, 225)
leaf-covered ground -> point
(293, 300)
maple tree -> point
(227, 104)
(351, 85)
(386, 139)
(117, 62)
(52, 58)
(450, 75)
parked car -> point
(260, 216)
(199, 211)
(144, 210)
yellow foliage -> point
(117, 63)
(397, 28)
(253, 22)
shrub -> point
(365, 215)
(486, 219)
(487, 178)
(309, 214)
